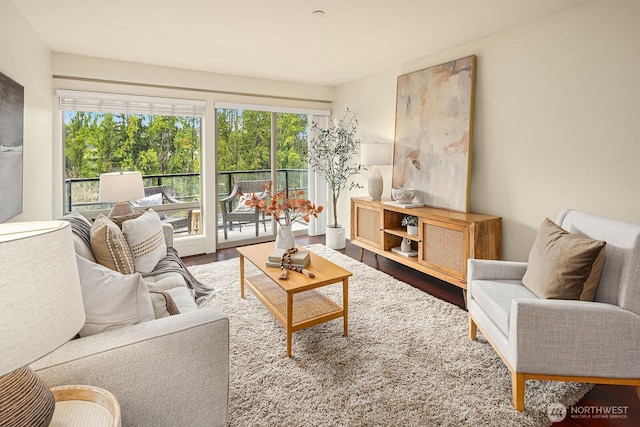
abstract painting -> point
(434, 124)
(11, 127)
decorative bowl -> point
(403, 195)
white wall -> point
(25, 59)
(556, 118)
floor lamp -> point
(120, 188)
(41, 308)
(375, 155)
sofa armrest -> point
(484, 269)
(167, 229)
(561, 337)
(167, 372)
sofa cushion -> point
(109, 246)
(183, 299)
(163, 303)
(111, 299)
(495, 296)
(145, 237)
(560, 262)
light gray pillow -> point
(146, 240)
(112, 300)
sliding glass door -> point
(254, 147)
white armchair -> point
(564, 340)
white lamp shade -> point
(41, 301)
(375, 154)
(121, 187)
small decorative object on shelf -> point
(285, 209)
(403, 195)
(411, 222)
(405, 246)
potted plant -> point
(411, 222)
(330, 154)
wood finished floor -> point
(599, 396)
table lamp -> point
(41, 308)
(120, 188)
(374, 155)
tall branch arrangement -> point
(292, 207)
(330, 154)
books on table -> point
(298, 259)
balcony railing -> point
(81, 194)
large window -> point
(159, 137)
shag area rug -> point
(407, 361)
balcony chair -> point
(591, 340)
(177, 223)
(233, 209)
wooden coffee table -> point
(294, 302)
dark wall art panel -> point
(11, 132)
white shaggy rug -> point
(407, 361)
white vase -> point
(335, 237)
(412, 229)
(284, 238)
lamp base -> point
(121, 208)
(25, 400)
(375, 183)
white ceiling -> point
(275, 39)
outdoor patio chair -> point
(177, 223)
(233, 209)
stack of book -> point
(299, 259)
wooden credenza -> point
(445, 241)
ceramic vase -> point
(412, 229)
(284, 238)
(405, 246)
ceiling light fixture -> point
(318, 13)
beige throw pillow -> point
(109, 246)
(146, 240)
(560, 263)
(112, 300)
(119, 219)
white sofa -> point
(172, 371)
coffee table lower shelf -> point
(309, 308)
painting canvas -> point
(11, 127)
(434, 119)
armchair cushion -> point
(495, 297)
(560, 263)
(109, 246)
(111, 300)
(242, 206)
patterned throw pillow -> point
(109, 246)
(146, 240)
